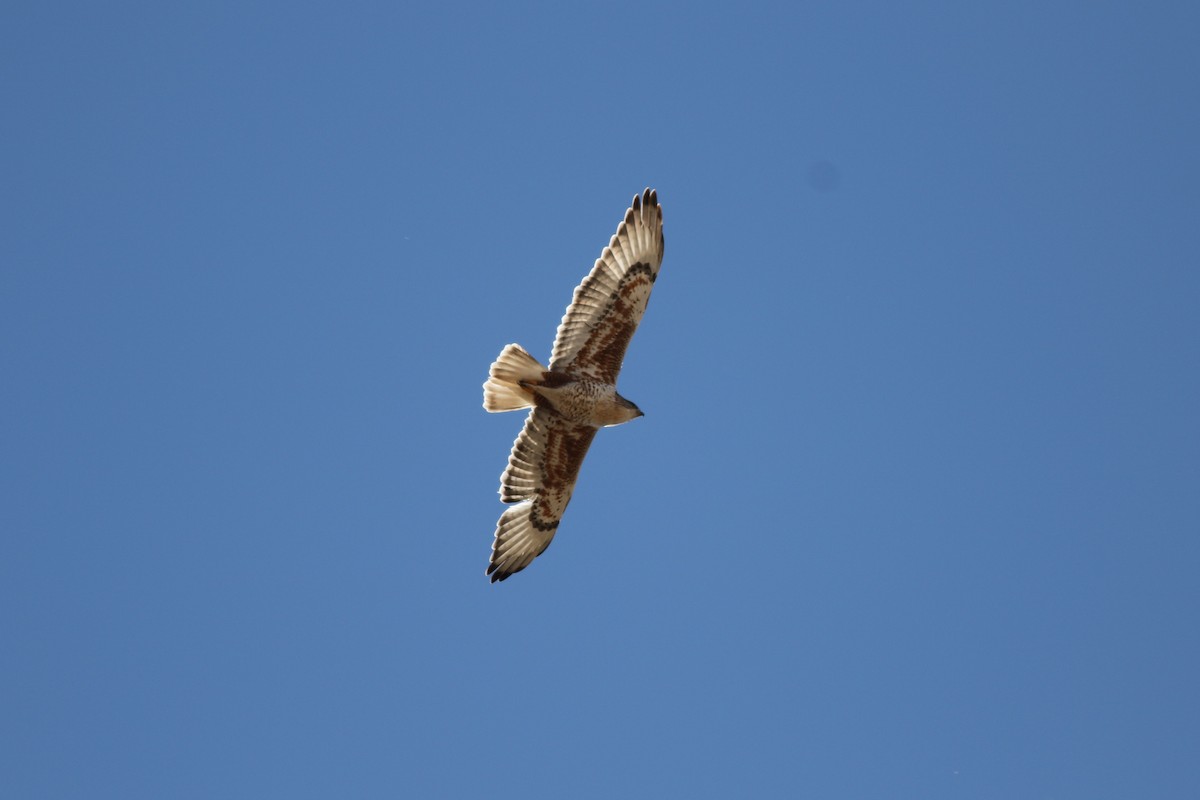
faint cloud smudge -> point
(823, 176)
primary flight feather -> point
(577, 393)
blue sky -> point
(914, 508)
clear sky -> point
(915, 507)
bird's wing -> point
(609, 304)
(540, 477)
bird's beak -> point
(641, 413)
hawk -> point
(577, 393)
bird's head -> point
(626, 410)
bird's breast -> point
(585, 402)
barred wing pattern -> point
(540, 478)
(609, 304)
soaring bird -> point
(577, 393)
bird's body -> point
(582, 400)
(577, 393)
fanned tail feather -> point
(503, 390)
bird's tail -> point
(503, 390)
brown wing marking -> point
(602, 354)
(619, 284)
(540, 478)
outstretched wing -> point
(540, 477)
(609, 304)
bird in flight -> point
(577, 393)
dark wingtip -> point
(648, 198)
(498, 574)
